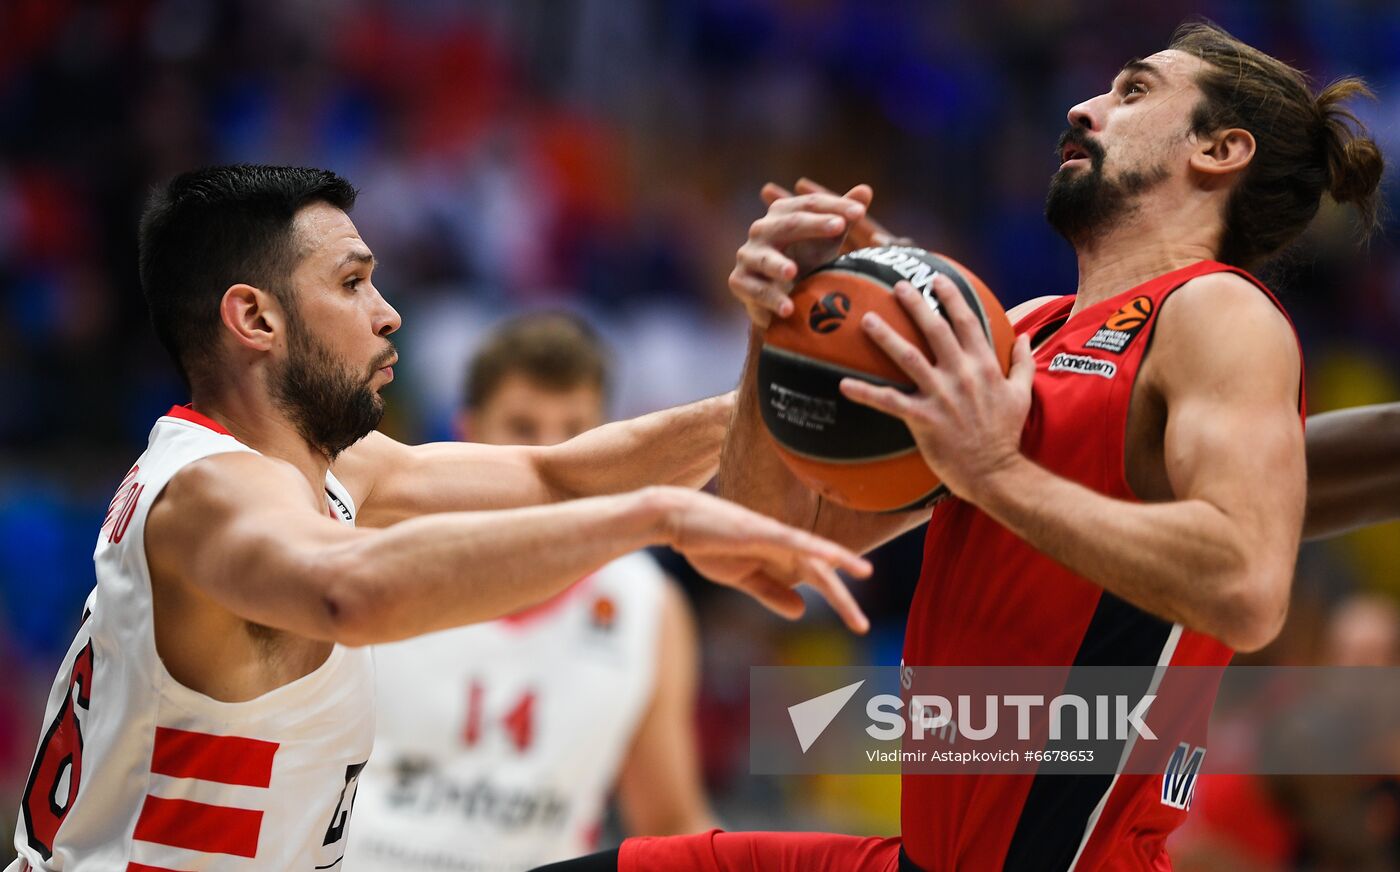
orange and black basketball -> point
(847, 452)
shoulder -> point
(1222, 327)
(222, 482)
(357, 466)
(1021, 310)
(1225, 304)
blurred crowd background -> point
(605, 156)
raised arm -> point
(249, 534)
(1219, 557)
(393, 482)
(799, 233)
(1353, 469)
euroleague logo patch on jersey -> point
(1083, 364)
(1122, 326)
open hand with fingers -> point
(965, 415)
(766, 559)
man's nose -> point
(1083, 115)
(387, 320)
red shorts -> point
(718, 851)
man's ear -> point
(1224, 154)
(253, 316)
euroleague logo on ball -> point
(830, 312)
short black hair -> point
(555, 350)
(212, 228)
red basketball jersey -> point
(986, 597)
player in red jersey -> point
(1106, 503)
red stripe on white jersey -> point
(141, 867)
(225, 759)
(195, 826)
(185, 413)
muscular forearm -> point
(750, 471)
(1185, 561)
(678, 446)
(752, 474)
(1353, 469)
(445, 570)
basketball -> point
(849, 453)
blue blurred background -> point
(605, 156)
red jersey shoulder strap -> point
(1043, 314)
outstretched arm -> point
(393, 481)
(247, 533)
(1219, 557)
(1353, 469)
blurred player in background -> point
(498, 744)
(1106, 517)
(216, 706)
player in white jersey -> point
(213, 712)
(498, 744)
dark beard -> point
(1081, 205)
(328, 405)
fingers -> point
(878, 397)
(966, 326)
(1022, 372)
(809, 545)
(765, 262)
(929, 316)
(832, 589)
(773, 192)
(905, 354)
(862, 193)
(830, 204)
(864, 231)
(761, 297)
(775, 596)
(782, 227)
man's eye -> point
(353, 284)
(1134, 88)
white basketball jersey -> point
(498, 744)
(138, 773)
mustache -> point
(385, 357)
(1077, 137)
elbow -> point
(353, 604)
(1252, 607)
